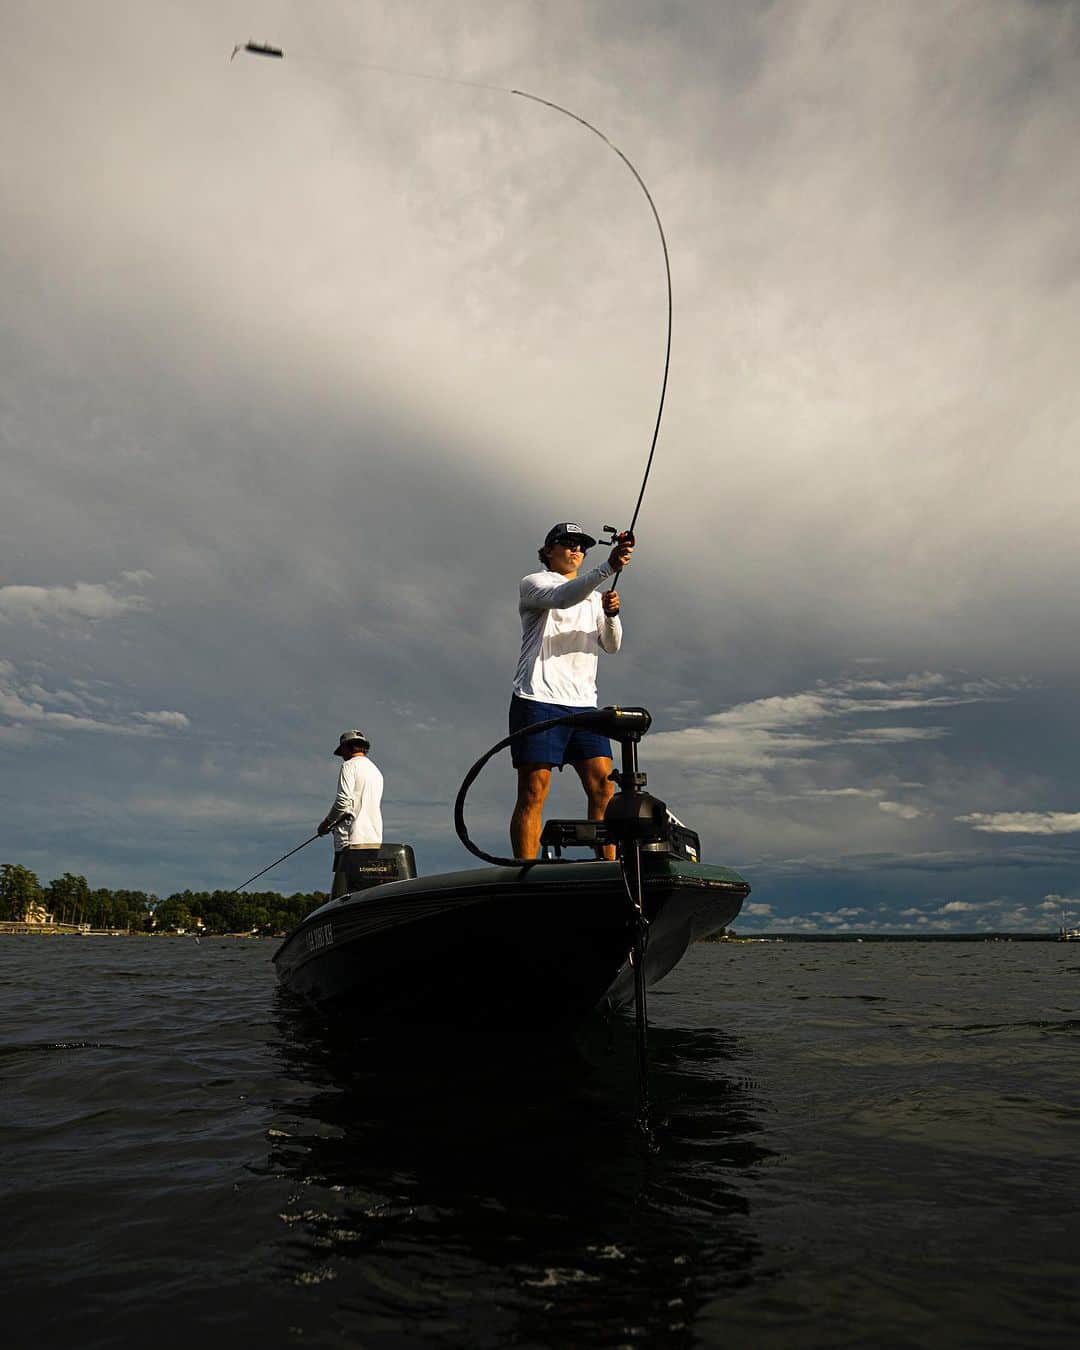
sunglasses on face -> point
(574, 544)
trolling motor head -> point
(633, 817)
(625, 725)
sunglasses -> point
(574, 544)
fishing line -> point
(262, 49)
(408, 74)
(667, 274)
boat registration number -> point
(322, 935)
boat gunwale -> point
(505, 887)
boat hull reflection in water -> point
(537, 947)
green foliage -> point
(70, 900)
(224, 912)
(171, 914)
(19, 891)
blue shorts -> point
(556, 746)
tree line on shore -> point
(70, 900)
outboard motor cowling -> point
(367, 867)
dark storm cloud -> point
(298, 362)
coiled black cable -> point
(568, 719)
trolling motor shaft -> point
(633, 815)
(633, 820)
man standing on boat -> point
(357, 808)
(564, 626)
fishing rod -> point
(627, 536)
(237, 889)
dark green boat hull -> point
(502, 948)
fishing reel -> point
(617, 537)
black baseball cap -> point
(568, 529)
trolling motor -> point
(635, 822)
(633, 816)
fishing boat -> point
(538, 945)
(519, 945)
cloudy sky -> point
(300, 359)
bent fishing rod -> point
(265, 49)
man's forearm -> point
(610, 632)
(568, 592)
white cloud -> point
(205, 807)
(755, 908)
(895, 735)
(792, 728)
(29, 707)
(899, 809)
(1023, 822)
(176, 720)
(937, 915)
(89, 602)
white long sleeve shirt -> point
(563, 629)
(360, 787)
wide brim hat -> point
(349, 738)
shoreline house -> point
(37, 913)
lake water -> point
(862, 1145)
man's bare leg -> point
(534, 780)
(595, 775)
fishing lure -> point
(257, 49)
